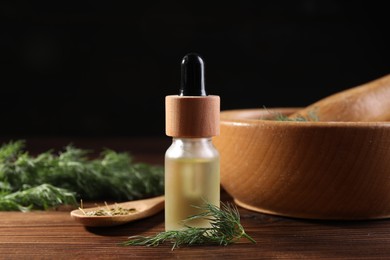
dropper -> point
(192, 76)
(192, 113)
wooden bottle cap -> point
(192, 116)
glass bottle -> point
(192, 178)
(191, 163)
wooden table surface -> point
(54, 235)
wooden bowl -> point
(314, 170)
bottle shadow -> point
(153, 224)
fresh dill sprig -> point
(311, 116)
(44, 196)
(111, 176)
(225, 229)
(299, 118)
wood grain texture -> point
(317, 170)
(143, 208)
(192, 116)
(48, 235)
(54, 235)
(369, 102)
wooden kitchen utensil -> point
(369, 102)
(143, 208)
(316, 170)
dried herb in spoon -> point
(225, 229)
(107, 211)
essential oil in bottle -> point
(192, 175)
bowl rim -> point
(245, 117)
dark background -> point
(101, 68)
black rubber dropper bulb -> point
(192, 76)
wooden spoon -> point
(369, 102)
(143, 208)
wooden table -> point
(54, 235)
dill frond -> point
(310, 117)
(111, 176)
(225, 229)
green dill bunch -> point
(111, 176)
(44, 196)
